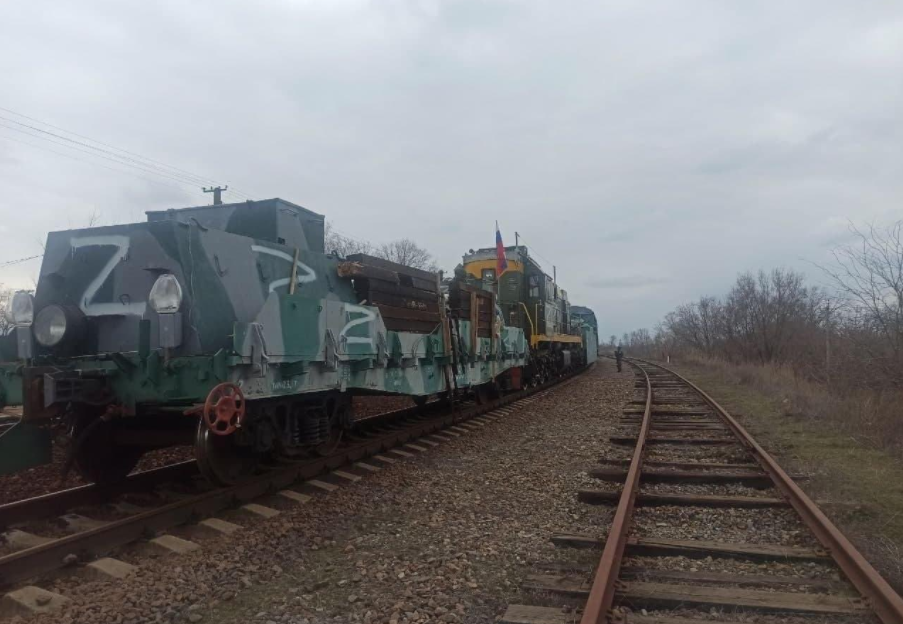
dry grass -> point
(850, 446)
(873, 418)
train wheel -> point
(420, 401)
(339, 412)
(222, 461)
(95, 455)
(487, 392)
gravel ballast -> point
(48, 478)
(446, 536)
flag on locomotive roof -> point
(501, 262)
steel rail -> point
(883, 600)
(28, 563)
(602, 593)
(53, 503)
(37, 507)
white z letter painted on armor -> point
(369, 315)
(307, 276)
(121, 243)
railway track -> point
(707, 525)
(385, 438)
(57, 503)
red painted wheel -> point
(224, 409)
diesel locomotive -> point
(230, 328)
(531, 299)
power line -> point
(118, 162)
(96, 164)
(19, 261)
(81, 136)
(89, 153)
(112, 158)
(349, 236)
(144, 163)
(186, 175)
(355, 238)
(124, 159)
(535, 251)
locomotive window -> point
(534, 287)
(488, 275)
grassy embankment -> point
(850, 448)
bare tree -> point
(698, 324)
(343, 245)
(402, 251)
(5, 321)
(407, 252)
(850, 337)
(868, 276)
(766, 317)
(764, 313)
(93, 218)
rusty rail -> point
(46, 505)
(58, 502)
(602, 593)
(883, 600)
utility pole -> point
(217, 193)
(516, 240)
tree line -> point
(849, 331)
(403, 251)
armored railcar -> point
(229, 327)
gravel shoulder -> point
(447, 536)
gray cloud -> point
(627, 281)
(618, 138)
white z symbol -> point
(308, 276)
(121, 243)
(369, 315)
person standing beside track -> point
(619, 355)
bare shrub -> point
(870, 417)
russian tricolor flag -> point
(501, 262)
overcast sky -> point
(651, 150)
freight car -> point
(530, 299)
(228, 327)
